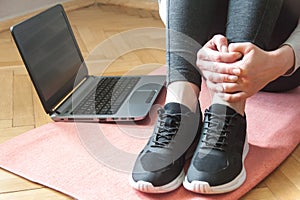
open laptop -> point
(68, 93)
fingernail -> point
(236, 71)
(233, 78)
(224, 49)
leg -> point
(189, 25)
(218, 163)
(284, 83)
(159, 167)
(289, 13)
(250, 21)
(268, 29)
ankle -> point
(183, 92)
(239, 107)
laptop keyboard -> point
(108, 96)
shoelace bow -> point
(215, 134)
(168, 125)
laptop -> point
(60, 76)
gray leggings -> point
(191, 23)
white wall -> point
(14, 8)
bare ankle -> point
(183, 92)
(239, 107)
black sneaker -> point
(159, 166)
(218, 163)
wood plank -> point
(40, 116)
(10, 67)
(261, 185)
(39, 193)
(9, 182)
(151, 56)
(76, 4)
(10, 55)
(89, 37)
(259, 194)
(5, 123)
(22, 101)
(296, 154)
(69, 6)
(21, 71)
(138, 4)
(9, 133)
(81, 44)
(6, 88)
(282, 187)
(290, 168)
(159, 56)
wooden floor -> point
(21, 110)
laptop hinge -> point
(54, 109)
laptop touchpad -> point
(142, 96)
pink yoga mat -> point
(93, 161)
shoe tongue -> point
(220, 109)
(176, 108)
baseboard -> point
(139, 7)
(69, 6)
(150, 5)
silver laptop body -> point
(57, 69)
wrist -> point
(284, 59)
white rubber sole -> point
(203, 187)
(147, 187)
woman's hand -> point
(240, 70)
(213, 61)
(258, 68)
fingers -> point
(219, 78)
(242, 47)
(224, 87)
(230, 92)
(216, 50)
(216, 67)
(219, 43)
(216, 56)
(220, 66)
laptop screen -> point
(51, 55)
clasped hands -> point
(237, 71)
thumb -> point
(221, 43)
(238, 47)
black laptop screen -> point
(51, 55)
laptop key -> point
(108, 96)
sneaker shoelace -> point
(215, 132)
(167, 127)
